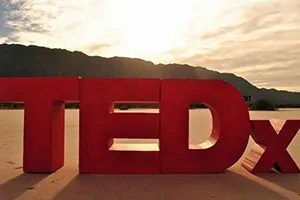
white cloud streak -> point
(3, 40)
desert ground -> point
(234, 184)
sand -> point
(66, 183)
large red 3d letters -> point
(270, 149)
(44, 117)
(229, 136)
(99, 125)
(44, 100)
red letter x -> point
(270, 150)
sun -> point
(154, 30)
(146, 37)
(147, 28)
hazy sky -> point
(256, 39)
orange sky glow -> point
(256, 39)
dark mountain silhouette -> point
(32, 61)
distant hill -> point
(32, 61)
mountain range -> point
(33, 61)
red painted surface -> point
(271, 147)
(43, 117)
(44, 121)
(99, 125)
(229, 136)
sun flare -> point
(150, 27)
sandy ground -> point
(66, 183)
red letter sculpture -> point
(270, 150)
(44, 118)
(230, 132)
(99, 125)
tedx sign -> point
(44, 121)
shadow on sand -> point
(228, 185)
(16, 186)
(288, 181)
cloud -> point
(106, 27)
(54, 23)
(3, 40)
(277, 75)
(256, 39)
(263, 47)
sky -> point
(256, 39)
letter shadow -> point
(288, 181)
(228, 185)
(16, 186)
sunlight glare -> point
(150, 27)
